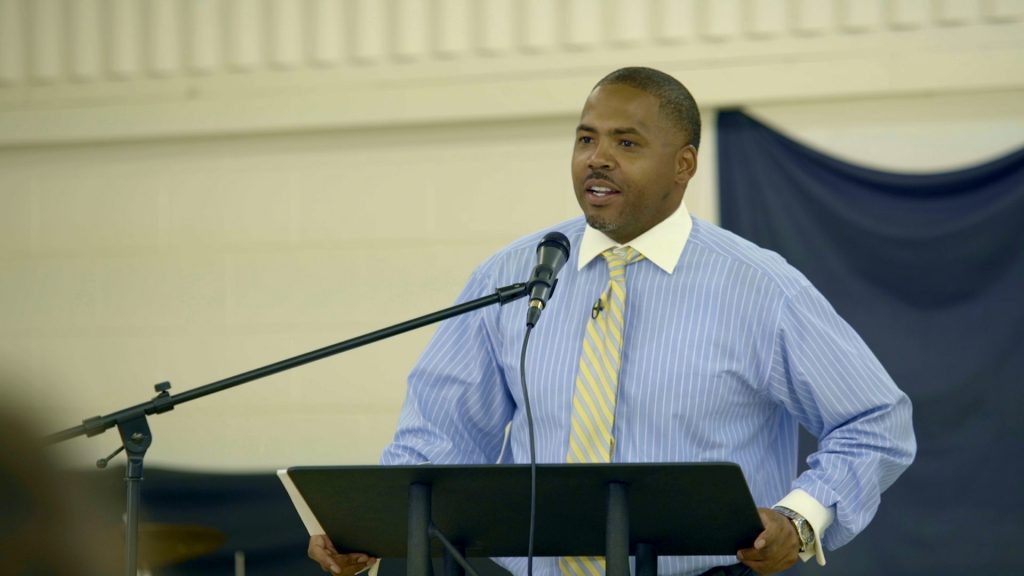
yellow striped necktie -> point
(597, 382)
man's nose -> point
(600, 158)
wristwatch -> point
(803, 527)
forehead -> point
(618, 106)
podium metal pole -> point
(646, 560)
(616, 545)
(418, 562)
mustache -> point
(598, 175)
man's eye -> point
(585, 140)
(627, 143)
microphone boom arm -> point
(136, 437)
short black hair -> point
(677, 104)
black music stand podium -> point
(611, 510)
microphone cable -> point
(533, 452)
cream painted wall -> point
(219, 188)
(190, 261)
(127, 264)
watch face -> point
(806, 534)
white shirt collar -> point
(662, 244)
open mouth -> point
(601, 191)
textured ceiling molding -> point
(81, 70)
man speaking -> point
(668, 340)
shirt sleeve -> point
(457, 403)
(826, 376)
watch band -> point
(803, 528)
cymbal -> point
(162, 545)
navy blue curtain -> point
(929, 269)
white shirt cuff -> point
(818, 516)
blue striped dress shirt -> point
(724, 356)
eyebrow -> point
(613, 131)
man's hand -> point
(776, 548)
(322, 551)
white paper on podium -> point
(309, 520)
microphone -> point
(552, 252)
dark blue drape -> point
(929, 269)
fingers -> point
(351, 564)
(759, 552)
(345, 564)
(774, 549)
(322, 551)
(322, 541)
(766, 560)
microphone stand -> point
(134, 428)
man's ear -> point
(686, 164)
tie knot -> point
(621, 256)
